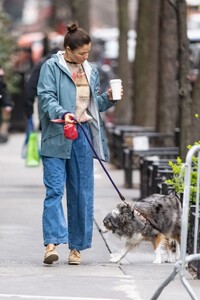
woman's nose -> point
(86, 56)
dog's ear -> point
(115, 224)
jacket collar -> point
(59, 58)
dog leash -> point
(153, 224)
(104, 168)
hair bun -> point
(75, 36)
(71, 28)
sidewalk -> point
(22, 274)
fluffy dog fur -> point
(156, 218)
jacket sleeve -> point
(30, 90)
(103, 102)
(48, 101)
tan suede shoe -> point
(51, 254)
(74, 257)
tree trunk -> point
(52, 20)
(184, 84)
(146, 64)
(168, 85)
(196, 111)
(80, 12)
(123, 108)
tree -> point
(170, 104)
(196, 110)
(80, 12)
(7, 46)
(64, 11)
(167, 97)
(145, 68)
(186, 130)
(123, 110)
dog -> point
(156, 218)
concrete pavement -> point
(22, 274)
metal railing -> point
(180, 266)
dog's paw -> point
(169, 260)
(103, 229)
(178, 255)
(115, 257)
(158, 256)
(157, 261)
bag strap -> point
(30, 125)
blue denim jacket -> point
(57, 95)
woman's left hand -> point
(109, 92)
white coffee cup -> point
(116, 85)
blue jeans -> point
(77, 173)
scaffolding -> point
(180, 266)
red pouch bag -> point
(70, 132)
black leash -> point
(120, 195)
(153, 224)
(82, 128)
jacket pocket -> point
(53, 130)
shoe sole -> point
(50, 259)
(73, 263)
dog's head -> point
(122, 221)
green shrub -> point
(7, 47)
(177, 180)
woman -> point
(68, 87)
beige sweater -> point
(83, 91)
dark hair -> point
(75, 37)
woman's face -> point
(78, 55)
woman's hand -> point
(110, 96)
(109, 92)
(69, 118)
